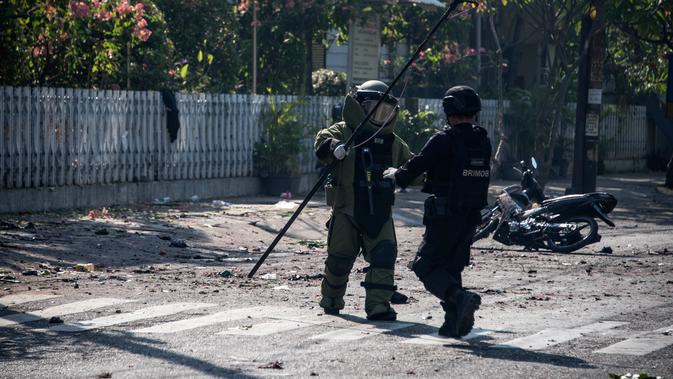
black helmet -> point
(461, 100)
(369, 93)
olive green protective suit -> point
(348, 231)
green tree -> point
(206, 40)
(97, 44)
(640, 35)
(286, 31)
(555, 25)
(449, 58)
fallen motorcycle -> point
(523, 216)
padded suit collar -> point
(353, 115)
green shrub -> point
(277, 153)
(328, 83)
(416, 129)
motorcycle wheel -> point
(566, 241)
(486, 227)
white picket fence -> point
(623, 131)
(61, 137)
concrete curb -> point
(53, 198)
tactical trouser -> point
(445, 251)
(344, 241)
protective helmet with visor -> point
(368, 94)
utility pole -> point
(589, 100)
(477, 38)
(254, 47)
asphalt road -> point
(150, 309)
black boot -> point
(399, 298)
(388, 315)
(467, 304)
(459, 317)
(448, 328)
(331, 311)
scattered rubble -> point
(606, 250)
(8, 279)
(178, 243)
(225, 274)
(305, 276)
(55, 320)
(220, 204)
(284, 204)
(84, 267)
(276, 365)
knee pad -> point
(339, 266)
(383, 255)
(421, 267)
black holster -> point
(436, 210)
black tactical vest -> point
(373, 195)
(469, 170)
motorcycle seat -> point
(566, 198)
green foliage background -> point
(206, 45)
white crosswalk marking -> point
(59, 310)
(436, 339)
(642, 344)
(276, 326)
(551, 337)
(141, 314)
(217, 318)
(362, 331)
(25, 297)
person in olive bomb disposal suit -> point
(456, 161)
(362, 200)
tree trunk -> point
(669, 174)
(558, 109)
(503, 143)
(308, 71)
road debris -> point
(225, 274)
(162, 200)
(9, 279)
(305, 276)
(280, 288)
(276, 365)
(606, 250)
(55, 320)
(269, 276)
(102, 232)
(84, 267)
(178, 243)
(220, 204)
(313, 244)
(399, 298)
(284, 204)
(145, 270)
(642, 375)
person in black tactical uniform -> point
(362, 200)
(456, 161)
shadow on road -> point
(23, 344)
(485, 350)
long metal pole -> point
(326, 171)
